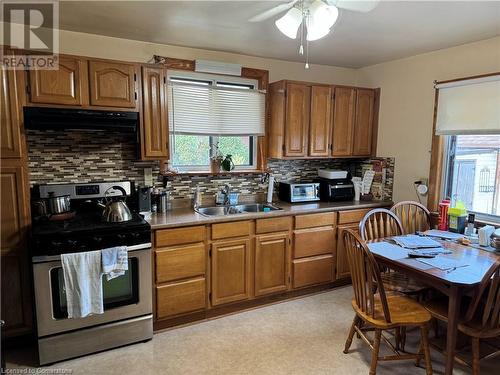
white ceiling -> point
(392, 30)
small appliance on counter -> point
(335, 185)
(294, 191)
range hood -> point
(43, 118)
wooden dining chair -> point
(481, 320)
(377, 311)
(382, 223)
(414, 216)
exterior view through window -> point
(473, 173)
(193, 151)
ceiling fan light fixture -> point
(290, 22)
(321, 18)
(315, 33)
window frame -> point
(450, 143)
(216, 80)
(437, 166)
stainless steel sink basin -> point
(237, 209)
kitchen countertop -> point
(187, 216)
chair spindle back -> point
(365, 275)
(414, 216)
(487, 309)
(380, 223)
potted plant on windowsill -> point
(216, 159)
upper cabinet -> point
(80, 82)
(11, 114)
(363, 125)
(297, 119)
(310, 120)
(320, 126)
(66, 86)
(154, 126)
(112, 84)
(343, 120)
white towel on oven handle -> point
(82, 274)
(114, 261)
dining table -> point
(455, 282)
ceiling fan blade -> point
(272, 12)
(355, 5)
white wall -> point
(131, 50)
(407, 103)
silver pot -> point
(115, 211)
(58, 204)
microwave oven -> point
(294, 192)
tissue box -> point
(485, 234)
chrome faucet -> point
(226, 190)
(197, 198)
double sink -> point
(236, 209)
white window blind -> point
(469, 106)
(215, 110)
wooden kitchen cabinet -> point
(67, 85)
(230, 271)
(310, 120)
(297, 119)
(11, 114)
(363, 125)
(343, 121)
(342, 266)
(180, 297)
(154, 126)
(313, 270)
(321, 121)
(15, 219)
(271, 263)
(112, 84)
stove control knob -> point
(122, 237)
(56, 243)
(135, 235)
(72, 242)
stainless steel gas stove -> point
(128, 309)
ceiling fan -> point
(314, 18)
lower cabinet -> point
(230, 271)
(271, 263)
(180, 297)
(313, 270)
(342, 266)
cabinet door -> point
(154, 135)
(16, 297)
(363, 128)
(320, 124)
(271, 263)
(112, 84)
(230, 271)
(297, 119)
(68, 85)
(11, 114)
(342, 263)
(343, 121)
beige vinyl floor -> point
(302, 336)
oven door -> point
(126, 296)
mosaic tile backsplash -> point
(79, 157)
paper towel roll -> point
(270, 189)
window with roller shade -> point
(207, 110)
(468, 116)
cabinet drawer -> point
(228, 230)
(274, 224)
(352, 216)
(180, 262)
(315, 241)
(181, 297)
(311, 271)
(314, 220)
(180, 236)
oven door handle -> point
(52, 258)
